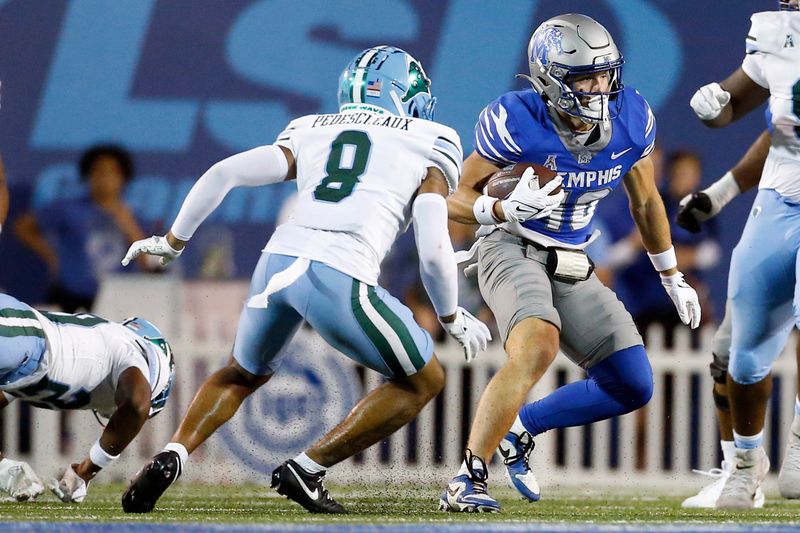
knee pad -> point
(719, 369)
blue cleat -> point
(466, 493)
(514, 450)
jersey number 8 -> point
(346, 163)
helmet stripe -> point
(358, 87)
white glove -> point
(470, 332)
(155, 245)
(527, 201)
(71, 488)
(19, 480)
(709, 100)
(684, 297)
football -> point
(502, 182)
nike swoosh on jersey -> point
(615, 155)
(314, 495)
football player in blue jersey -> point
(580, 121)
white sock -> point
(518, 428)
(180, 449)
(748, 442)
(308, 464)
(797, 406)
(728, 452)
(463, 470)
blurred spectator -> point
(83, 239)
(638, 284)
(3, 195)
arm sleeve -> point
(496, 134)
(447, 156)
(259, 166)
(753, 63)
(437, 263)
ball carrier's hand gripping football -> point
(529, 201)
(520, 195)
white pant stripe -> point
(20, 322)
(386, 330)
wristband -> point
(100, 457)
(664, 260)
(723, 191)
(483, 209)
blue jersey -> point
(517, 127)
(87, 240)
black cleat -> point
(151, 481)
(292, 481)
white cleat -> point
(789, 476)
(742, 485)
(708, 495)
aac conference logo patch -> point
(311, 392)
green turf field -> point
(222, 505)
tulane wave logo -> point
(312, 391)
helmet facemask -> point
(789, 5)
(601, 105)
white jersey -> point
(773, 61)
(82, 363)
(357, 174)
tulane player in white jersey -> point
(581, 122)
(694, 209)
(124, 372)
(362, 175)
(762, 285)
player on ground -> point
(124, 372)
(764, 263)
(363, 175)
(579, 121)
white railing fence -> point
(317, 387)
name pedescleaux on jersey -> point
(367, 119)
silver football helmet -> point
(568, 46)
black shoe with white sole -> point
(151, 481)
(307, 489)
